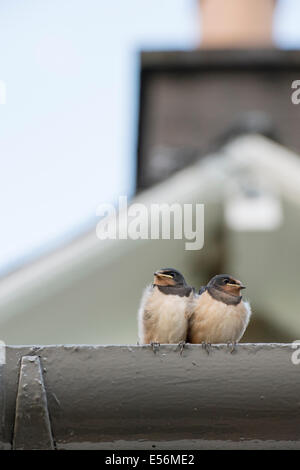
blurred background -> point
(163, 101)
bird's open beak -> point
(161, 274)
(241, 285)
(238, 284)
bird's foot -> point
(181, 345)
(155, 346)
(232, 344)
(206, 346)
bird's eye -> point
(226, 281)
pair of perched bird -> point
(172, 312)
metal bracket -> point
(32, 428)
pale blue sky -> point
(68, 129)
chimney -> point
(236, 23)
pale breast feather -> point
(146, 294)
(214, 321)
(163, 318)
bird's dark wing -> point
(202, 289)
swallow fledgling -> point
(165, 309)
(221, 315)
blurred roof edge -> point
(238, 57)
